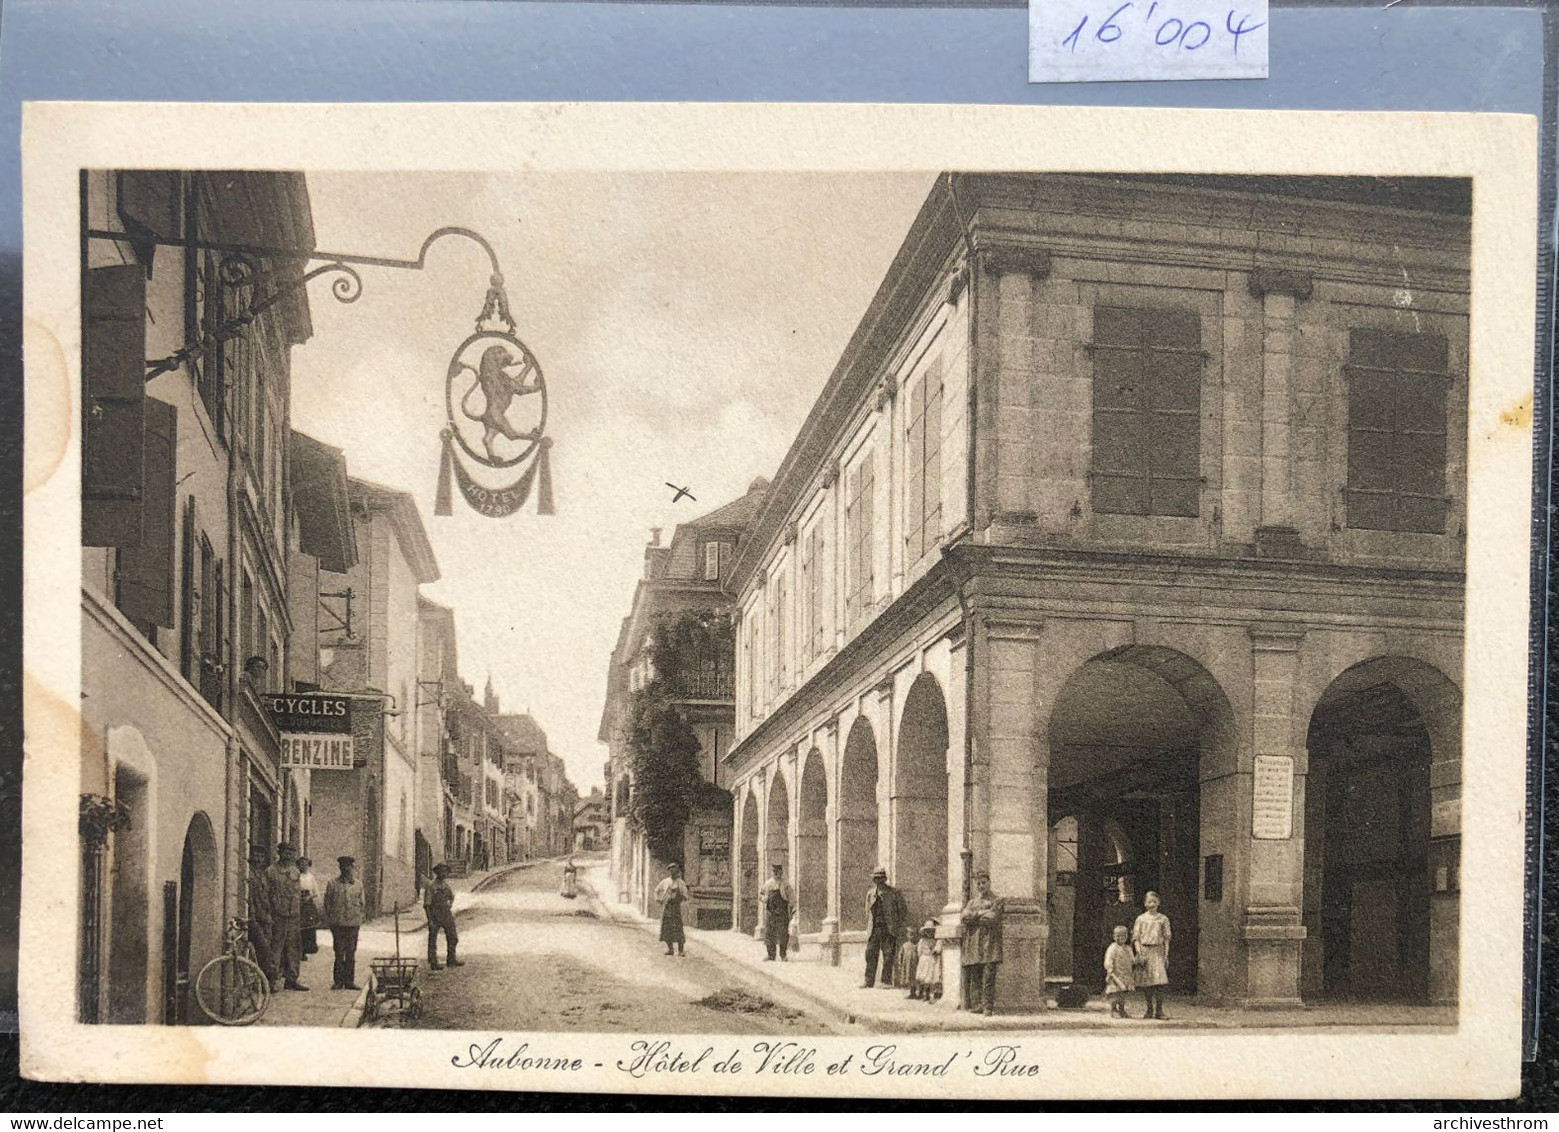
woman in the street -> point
(671, 893)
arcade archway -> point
(857, 824)
(747, 864)
(1133, 735)
(1380, 878)
(919, 801)
(811, 874)
(200, 910)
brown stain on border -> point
(1518, 415)
(51, 396)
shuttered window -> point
(858, 535)
(189, 597)
(923, 466)
(813, 592)
(1397, 388)
(113, 364)
(1147, 389)
(146, 572)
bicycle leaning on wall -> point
(232, 989)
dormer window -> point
(711, 562)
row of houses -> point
(259, 663)
(1122, 551)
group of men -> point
(888, 924)
(276, 917)
(277, 925)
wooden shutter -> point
(146, 570)
(1397, 389)
(113, 371)
(931, 534)
(864, 557)
(915, 473)
(189, 597)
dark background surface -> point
(1402, 56)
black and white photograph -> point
(965, 619)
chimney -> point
(490, 698)
(655, 536)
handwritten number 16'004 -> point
(1191, 36)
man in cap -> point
(981, 953)
(261, 923)
(776, 897)
(344, 916)
(886, 914)
(286, 907)
(438, 904)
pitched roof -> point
(316, 474)
(406, 522)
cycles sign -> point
(316, 730)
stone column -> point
(1279, 291)
(1011, 772)
(948, 932)
(762, 847)
(828, 743)
(1274, 931)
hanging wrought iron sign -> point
(495, 396)
(495, 403)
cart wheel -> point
(415, 1011)
(370, 1006)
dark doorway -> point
(1369, 795)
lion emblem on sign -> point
(500, 409)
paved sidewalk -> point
(836, 991)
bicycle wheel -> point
(232, 990)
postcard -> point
(891, 601)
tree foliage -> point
(668, 784)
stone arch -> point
(776, 840)
(200, 908)
(919, 800)
(811, 871)
(1382, 834)
(857, 823)
(1143, 740)
(747, 864)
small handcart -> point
(395, 980)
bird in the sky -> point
(680, 492)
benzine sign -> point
(316, 730)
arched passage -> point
(1380, 858)
(857, 824)
(200, 909)
(747, 914)
(919, 801)
(1138, 736)
(777, 843)
(811, 873)
(129, 932)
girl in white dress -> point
(1150, 938)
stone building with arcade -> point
(1123, 550)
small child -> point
(904, 962)
(928, 964)
(1119, 979)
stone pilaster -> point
(1280, 292)
(1273, 928)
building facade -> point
(592, 822)
(1123, 550)
(188, 526)
(679, 605)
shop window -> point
(1397, 387)
(1147, 389)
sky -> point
(686, 323)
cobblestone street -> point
(537, 961)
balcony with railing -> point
(706, 685)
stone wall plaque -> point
(1272, 801)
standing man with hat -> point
(776, 897)
(886, 914)
(344, 915)
(286, 907)
(438, 905)
(981, 953)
